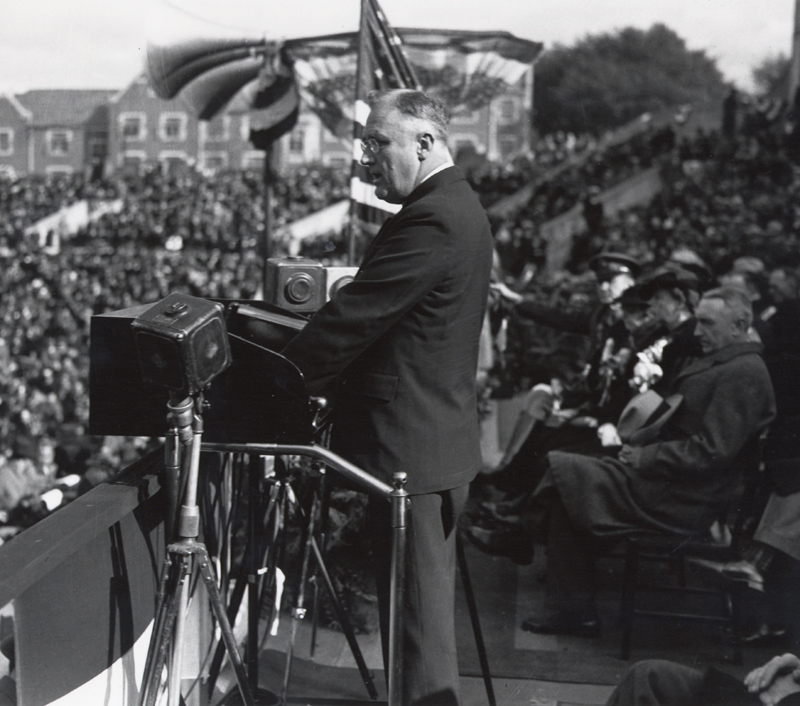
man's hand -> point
(607, 433)
(630, 456)
(776, 679)
(506, 293)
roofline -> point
(21, 109)
(122, 91)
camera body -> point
(182, 342)
(302, 285)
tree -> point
(607, 80)
(771, 74)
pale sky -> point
(102, 43)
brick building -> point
(144, 128)
(50, 131)
(53, 131)
(15, 134)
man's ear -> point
(424, 145)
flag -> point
(275, 104)
(249, 76)
(382, 64)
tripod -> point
(268, 508)
(184, 556)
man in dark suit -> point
(676, 480)
(397, 350)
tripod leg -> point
(218, 609)
(341, 616)
(243, 578)
(324, 494)
(162, 633)
(473, 615)
(176, 668)
(299, 611)
(252, 559)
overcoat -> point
(685, 478)
(397, 348)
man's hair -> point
(736, 301)
(415, 104)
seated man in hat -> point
(672, 294)
(674, 479)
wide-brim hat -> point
(632, 300)
(644, 415)
(690, 261)
(610, 264)
(669, 278)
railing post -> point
(399, 499)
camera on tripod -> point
(302, 285)
(182, 343)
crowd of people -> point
(651, 366)
(726, 198)
(174, 232)
(656, 374)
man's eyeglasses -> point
(371, 146)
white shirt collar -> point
(440, 168)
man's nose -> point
(366, 159)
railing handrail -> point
(347, 469)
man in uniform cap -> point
(614, 271)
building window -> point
(508, 147)
(465, 117)
(214, 161)
(58, 142)
(172, 127)
(133, 126)
(6, 142)
(337, 162)
(97, 148)
(56, 169)
(297, 141)
(253, 161)
(216, 130)
(132, 161)
(507, 112)
(173, 161)
(464, 143)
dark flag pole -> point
(381, 63)
(269, 194)
(363, 80)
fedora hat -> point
(669, 278)
(644, 415)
